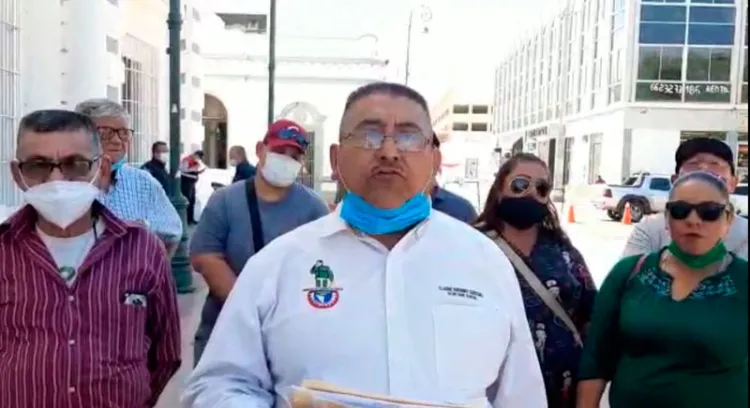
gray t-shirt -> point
(652, 234)
(225, 228)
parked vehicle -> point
(645, 192)
(739, 200)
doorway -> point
(215, 137)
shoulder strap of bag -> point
(637, 268)
(252, 203)
(538, 287)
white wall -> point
(246, 103)
(697, 118)
(611, 125)
(64, 59)
(653, 150)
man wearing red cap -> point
(241, 218)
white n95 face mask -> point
(280, 170)
(62, 202)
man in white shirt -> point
(384, 295)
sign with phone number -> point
(692, 89)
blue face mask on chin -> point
(118, 164)
(365, 217)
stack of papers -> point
(318, 394)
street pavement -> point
(599, 240)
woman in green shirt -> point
(670, 329)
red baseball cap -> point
(285, 132)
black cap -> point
(693, 147)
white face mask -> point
(163, 157)
(280, 170)
(233, 163)
(62, 202)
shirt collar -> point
(23, 221)
(438, 194)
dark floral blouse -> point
(564, 272)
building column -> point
(41, 41)
(87, 25)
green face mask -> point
(716, 254)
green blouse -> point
(662, 353)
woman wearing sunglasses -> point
(557, 289)
(670, 328)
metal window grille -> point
(140, 95)
(10, 96)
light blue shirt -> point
(438, 318)
(138, 197)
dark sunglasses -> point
(520, 185)
(295, 135)
(72, 168)
(707, 211)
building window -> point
(113, 93)
(195, 48)
(662, 24)
(711, 25)
(460, 126)
(183, 45)
(140, 95)
(480, 109)
(196, 82)
(567, 154)
(709, 64)
(10, 96)
(478, 127)
(659, 74)
(182, 78)
(113, 46)
(660, 63)
(595, 156)
(196, 14)
(196, 116)
(461, 109)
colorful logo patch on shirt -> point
(324, 295)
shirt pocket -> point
(470, 343)
(132, 319)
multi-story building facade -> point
(610, 87)
(462, 118)
(56, 54)
(458, 111)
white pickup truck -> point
(739, 200)
(645, 192)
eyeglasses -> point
(107, 133)
(520, 185)
(73, 168)
(707, 211)
(294, 135)
(405, 141)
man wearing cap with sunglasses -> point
(384, 295)
(241, 218)
(704, 154)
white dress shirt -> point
(438, 318)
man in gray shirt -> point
(226, 234)
(705, 154)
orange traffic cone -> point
(627, 217)
(571, 215)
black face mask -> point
(521, 212)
